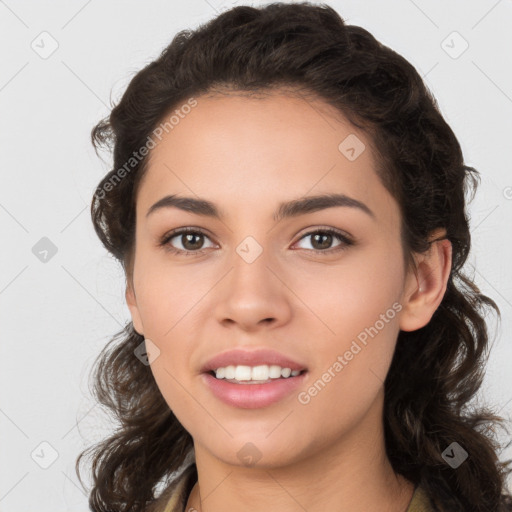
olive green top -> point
(420, 502)
(180, 491)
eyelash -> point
(346, 242)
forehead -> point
(238, 149)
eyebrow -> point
(288, 209)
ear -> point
(131, 301)
(426, 286)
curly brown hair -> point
(436, 370)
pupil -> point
(328, 236)
(188, 237)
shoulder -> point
(420, 501)
(174, 497)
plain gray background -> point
(58, 313)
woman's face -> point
(250, 282)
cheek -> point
(352, 296)
(358, 311)
(170, 379)
(168, 301)
(169, 310)
(351, 364)
(166, 291)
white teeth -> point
(274, 371)
(243, 373)
(255, 373)
(285, 372)
(230, 372)
(259, 372)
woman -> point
(288, 205)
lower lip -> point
(252, 396)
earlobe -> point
(131, 302)
(428, 286)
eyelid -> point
(345, 239)
(167, 237)
(324, 228)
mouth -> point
(259, 393)
(256, 375)
(256, 381)
(271, 375)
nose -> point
(253, 295)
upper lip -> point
(250, 358)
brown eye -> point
(322, 239)
(191, 241)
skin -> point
(247, 155)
